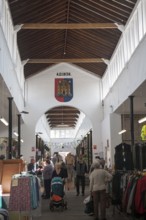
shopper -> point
(47, 176)
(70, 163)
(59, 172)
(51, 162)
(57, 158)
(98, 180)
(31, 167)
(63, 167)
(81, 170)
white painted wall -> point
(40, 97)
(111, 125)
(133, 75)
(8, 72)
(106, 133)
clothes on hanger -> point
(140, 154)
(129, 192)
(24, 193)
(123, 157)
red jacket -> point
(140, 195)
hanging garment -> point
(143, 133)
(20, 201)
(140, 154)
(24, 193)
(131, 197)
(138, 162)
(140, 196)
(123, 157)
(144, 156)
(116, 189)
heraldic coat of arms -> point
(64, 89)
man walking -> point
(81, 170)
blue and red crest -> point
(63, 89)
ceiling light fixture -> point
(142, 120)
(16, 134)
(121, 132)
(3, 120)
(39, 132)
(62, 125)
(24, 112)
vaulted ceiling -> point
(81, 32)
(62, 117)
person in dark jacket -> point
(59, 171)
(31, 166)
(81, 170)
(47, 176)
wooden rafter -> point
(69, 26)
(74, 60)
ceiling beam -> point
(60, 114)
(66, 26)
(64, 122)
(64, 119)
(62, 127)
(62, 109)
(73, 60)
(58, 118)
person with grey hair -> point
(98, 180)
(98, 160)
(47, 175)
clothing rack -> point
(24, 195)
(132, 192)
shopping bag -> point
(89, 206)
(87, 199)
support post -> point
(10, 99)
(132, 129)
(19, 135)
(88, 146)
(91, 146)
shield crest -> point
(64, 89)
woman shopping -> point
(98, 180)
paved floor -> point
(75, 210)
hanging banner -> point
(64, 89)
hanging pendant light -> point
(3, 120)
(142, 120)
